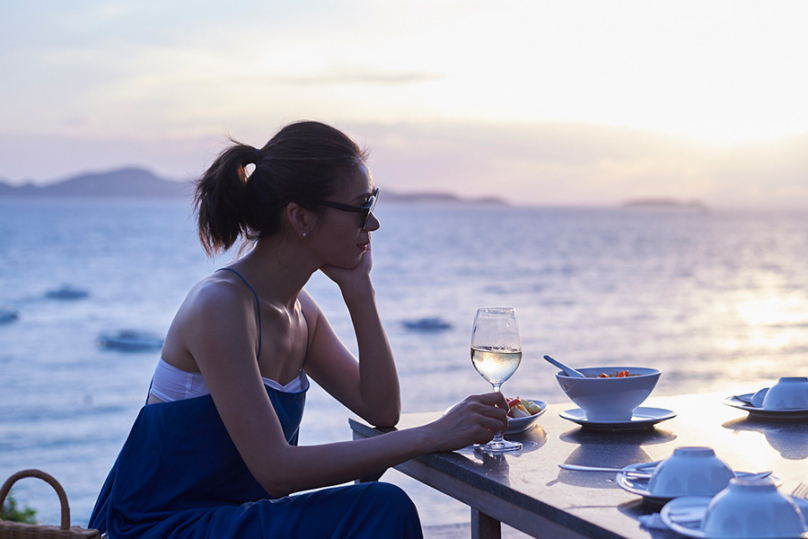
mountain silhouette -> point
(124, 182)
(141, 183)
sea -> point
(715, 299)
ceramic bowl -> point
(690, 471)
(749, 508)
(609, 399)
(521, 424)
(789, 393)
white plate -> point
(642, 418)
(521, 424)
(639, 485)
(762, 412)
(685, 516)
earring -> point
(305, 234)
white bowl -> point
(752, 508)
(521, 424)
(690, 471)
(789, 393)
(609, 399)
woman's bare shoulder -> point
(215, 300)
(310, 307)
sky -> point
(537, 102)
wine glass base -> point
(498, 447)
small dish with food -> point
(522, 414)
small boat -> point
(128, 340)
(8, 315)
(66, 292)
(427, 324)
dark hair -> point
(303, 163)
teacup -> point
(752, 508)
(690, 471)
(789, 393)
(611, 398)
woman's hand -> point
(475, 420)
(349, 276)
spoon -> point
(638, 471)
(569, 371)
(756, 400)
(634, 473)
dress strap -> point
(305, 357)
(257, 310)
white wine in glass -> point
(496, 351)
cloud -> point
(347, 76)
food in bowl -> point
(621, 374)
(613, 398)
(520, 407)
(523, 413)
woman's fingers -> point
(494, 398)
(474, 420)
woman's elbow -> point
(275, 490)
(388, 417)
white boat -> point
(66, 292)
(427, 324)
(128, 340)
(8, 315)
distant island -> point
(136, 182)
(665, 203)
(120, 183)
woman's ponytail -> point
(220, 198)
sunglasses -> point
(363, 211)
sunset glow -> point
(105, 83)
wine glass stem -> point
(498, 435)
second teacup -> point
(752, 508)
(690, 471)
(789, 393)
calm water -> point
(718, 301)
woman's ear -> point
(300, 219)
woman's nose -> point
(372, 223)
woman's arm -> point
(219, 331)
(370, 387)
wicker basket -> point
(19, 530)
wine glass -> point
(496, 352)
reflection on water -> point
(788, 438)
(713, 300)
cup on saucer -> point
(690, 471)
(611, 397)
(789, 393)
(749, 508)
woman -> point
(214, 452)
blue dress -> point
(180, 476)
